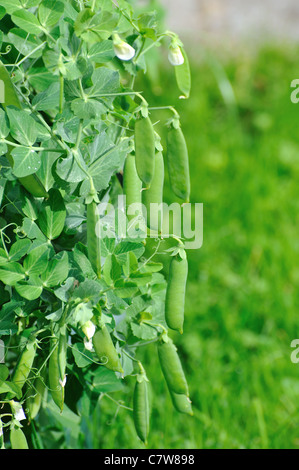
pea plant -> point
(76, 303)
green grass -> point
(242, 307)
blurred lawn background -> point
(242, 297)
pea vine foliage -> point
(66, 128)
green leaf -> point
(31, 230)
(48, 99)
(105, 381)
(27, 21)
(101, 52)
(10, 273)
(45, 171)
(30, 289)
(82, 356)
(69, 170)
(143, 331)
(29, 208)
(37, 260)
(26, 161)
(92, 26)
(57, 270)
(11, 5)
(23, 127)
(40, 78)
(87, 109)
(4, 372)
(25, 43)
(49, 12)
(108, 159)
(53, 214)
(104, 81)
(19, 249)
(12, 389)
(4, 127)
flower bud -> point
(89, 329)
(122, 49)
(175, 55)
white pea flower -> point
(88, 344)
(175, 55)
(89, 329)
(122, 49)
(18, 411)
(63, 382)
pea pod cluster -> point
(93, 241)
(178, 161)
(105, 349)
(24, 364)
(141, 406)
(175, 292)
(57, 367)
(144, 137)
(174, 375)
(152, 197)
(132, 186)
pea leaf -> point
(69, 170)
(27, 21)
(48, 99)
(31, 230)
(10, 273)
(23, 127)
(36, 261)
(49, 12)
(105, 381)
(82, 356)
(19, 249)
(107, 159)
(4, 372)
(26, 161)
(30, 289)
(104, 81)
(101, 52)
(11, 5)
(45, 173)
(53, 214)
(57, 270)
(25, 43)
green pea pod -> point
(32, 183)
(18, 439)
(171, 367)
(178, 163)
(183, 76)
(175, 293)
(145, 149)
(105, 350)
(36, 394)
(141, 408)
(93, 241)
(181, 403)
(132, 184)
(153, 196)
(24, 364)
(56, 381)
